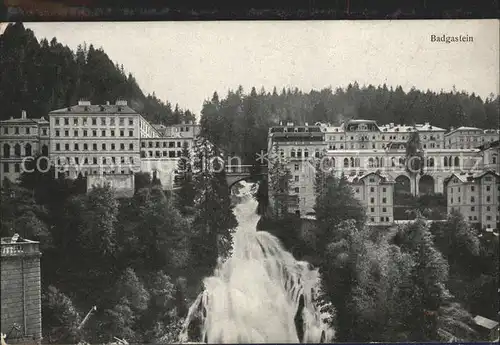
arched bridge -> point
(239, 173)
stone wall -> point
(20, 273)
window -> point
(58, 147)
(94, 133)
(488, 188)
(372, 219)
(122, 146)
(130, 146)
(472, 188)
(381, 219)
(112, 146)
(85, 147)
(44, 132)
(384, 190)
(296, 166)
(372, 200)
(57, 121)
(94, 160)
(472, 208)
(76, 147)
(472, 199)
(384, 200)
(16, 167)
(6, 167)
(384, 209)
(66, 133)
(27, 130)
(94, 122)
(357, 190)
(112, 121)
(372, 179)
(57, 133)
(488, 198)
(85, 133)
(103, 121)
(104, 147)
(130, 122)
(488, 217)
(122, 122)
(296, 178)
(372, 209)
(103, 133)
(488, 208)
(66, 147)
(296, 189)
(75, 121)
(372, 189)
(112, 133)
(122, 133)
(94, 147)
(130, 133)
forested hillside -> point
(239, 122)
(42, 76)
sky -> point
(185, 62)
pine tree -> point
(279, 184)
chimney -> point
(107, 102)
(83, 102)
(23, 114)
(121, 102)
(391, 124)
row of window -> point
(382, 219)
(94, 160)
(488, 208)
(372, 209)
(473, 188)
(17, 150)
(473, 199)
(103, 121)
(27, 130)
(85, 147)
(158, 154)
(158, 144)
(94, 132)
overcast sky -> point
(185, 62)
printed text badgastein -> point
(451, 39)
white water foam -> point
(260, 294)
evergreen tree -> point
(279, 176)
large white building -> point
(361, 148)
(89, 139)
(20, 139)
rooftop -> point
(85, 107)
(484, 322)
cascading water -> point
(261, 294)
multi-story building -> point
(20, 140)
(361, 147)
(491, 156)
(469, 137)
(93, 139)
(476, 197)
(375, 191)
(297, 145)
(366, 134)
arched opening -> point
(352, 162)
(45, 151)
(371, 162)
(27, 150)
(346, 163)
(333, 162)
(426, 185)
(393, 161)
(402, 185)
(356, 162)
(430, 162)
(17, 150)
(445, 161)
(382, 162)
(6, 150)
(457, 161)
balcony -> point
(17, 249)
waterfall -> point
(261, 294)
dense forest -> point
(42, 76)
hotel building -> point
(20, 139)
(470, 137)
(476, 197)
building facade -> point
(470, 137)
(21, 292)
(20, 139)
(476, 197)
(360, 148)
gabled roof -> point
(24, 121)
(95, 109)
(357, 178)
(467, 177)
(464, 128)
